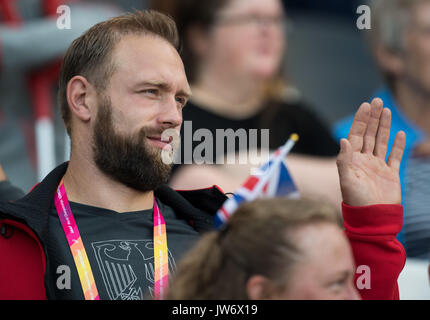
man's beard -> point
(127, 159)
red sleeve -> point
(372, 232)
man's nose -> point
(170, 115)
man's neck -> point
(86, 184)
(415, 104)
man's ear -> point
(80, 97)
(258, 288)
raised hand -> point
(365, 177)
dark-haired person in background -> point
(233, 54)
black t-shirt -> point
(119, 248)
(281, 118)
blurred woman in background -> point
(233, 52)
(300, 253)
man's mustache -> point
(169, 135)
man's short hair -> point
(90, 55)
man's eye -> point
(181, 101)
(150, 91)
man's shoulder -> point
(33, 208)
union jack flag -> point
(272, 179)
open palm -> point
(365, 177)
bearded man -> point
(122, 85)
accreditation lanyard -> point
(80, 257)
